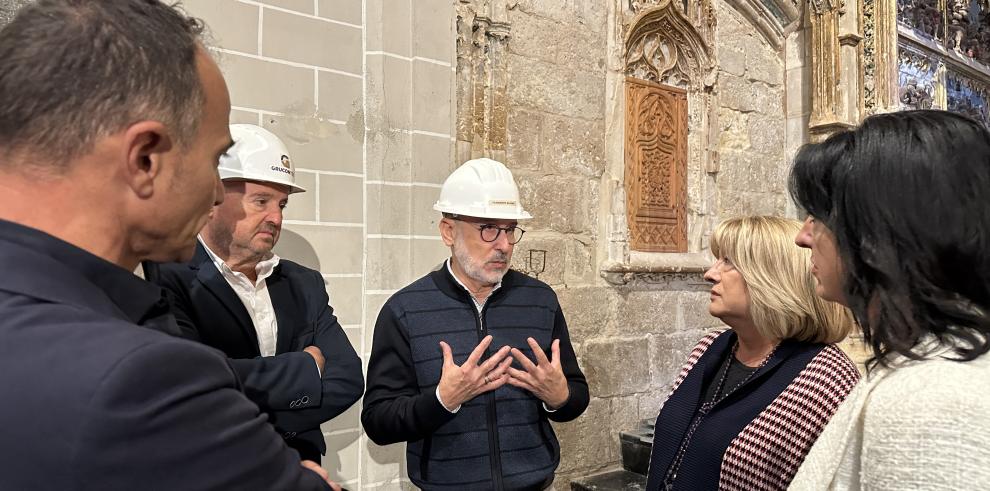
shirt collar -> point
(137, 299)
(458, 280)
(263, 269)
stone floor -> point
(620, 480)
(636, 445)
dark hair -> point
(72, 71)
(906, 197)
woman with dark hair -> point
(752, 399)
(899, 231)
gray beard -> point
(475, 269)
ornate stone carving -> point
(870, 41)
(917, 78)
(959, 25)
(821, 7)
(656, 167)
(482, 109)
(936, 71)
(664, 47)
(692, 282)
(969, 29)
(700, 13)
(924, 16)
(958, 22)
(968, 96)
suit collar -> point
(209, 276)
(45, 267)
(282, 295)
(201, 256)
(279, 289)
(264, 268)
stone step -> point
(620, 480)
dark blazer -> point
(94, 401)
(287, 385)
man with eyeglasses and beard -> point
(471, 362)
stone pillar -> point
(828, 113)
(941, 96)
(482, 109)
(885, 55)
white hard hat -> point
(258, 155)
(481, 188)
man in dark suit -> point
(271, 316)
(114, 117)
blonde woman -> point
(752, 399)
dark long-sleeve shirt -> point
(501, 439)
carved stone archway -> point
(773, 19)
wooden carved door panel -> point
(656, 166)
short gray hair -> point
(73, 71)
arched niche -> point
(669, 117)
(660, 151)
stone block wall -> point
(753, 168)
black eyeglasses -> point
(490, 233)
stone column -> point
(482, 111)
(941, 96)
(885, 55)
(827, 110)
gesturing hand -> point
(459, 384)
(546, 379)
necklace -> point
(668, 480)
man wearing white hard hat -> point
(471, 362)
(271, 316)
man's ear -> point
(447, 231)
(145, 144)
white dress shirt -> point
(255, 297)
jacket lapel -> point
(679, 410)
(287, 315)
(214, 283)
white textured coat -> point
(918, 425)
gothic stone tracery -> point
(664, 47)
